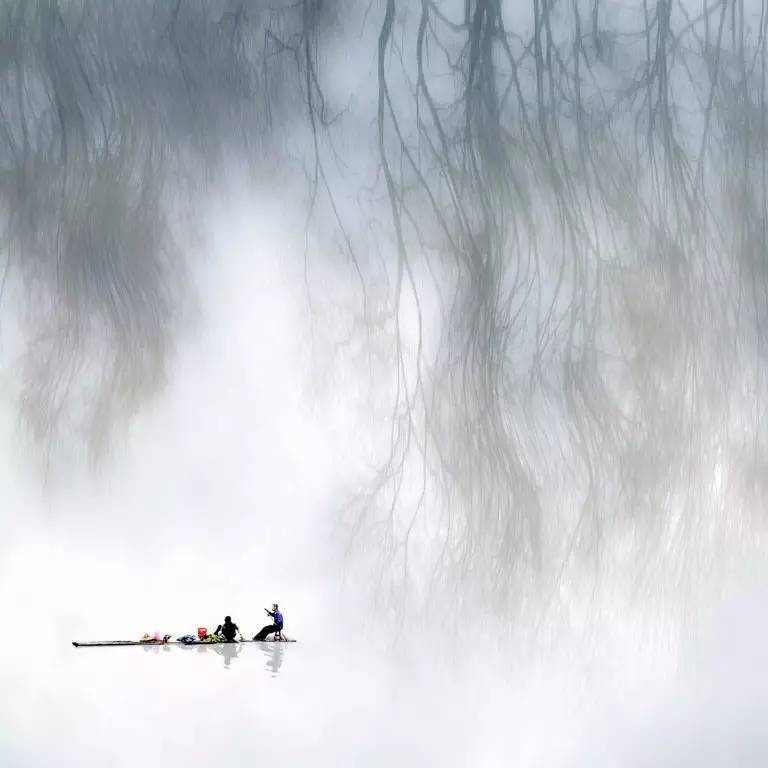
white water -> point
(320, 700)
(335, 700)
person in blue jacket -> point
(276, 626)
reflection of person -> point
(274, 658)
(229, 652)
(229, 630)
(276, 627)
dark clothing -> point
(268, 630)
(229, 630)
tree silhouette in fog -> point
(579, 187)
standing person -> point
(276, 626)
(229, 629)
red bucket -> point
(202, 632)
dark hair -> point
(227, 619)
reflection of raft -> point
(111, 643)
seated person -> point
(276, 627)
(228, 630)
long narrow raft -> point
(155, 644)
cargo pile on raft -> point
(227, 632)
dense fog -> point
(440, 322)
